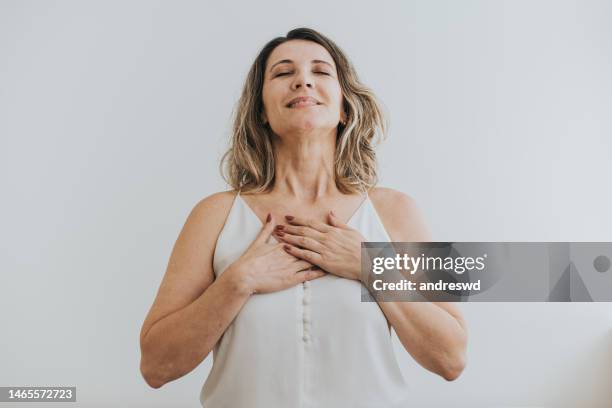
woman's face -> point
(301, 69)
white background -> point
(113, 116)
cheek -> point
(336, 96)
(270, 98)
(265, 98)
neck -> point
(304, 165)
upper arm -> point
(405, 223)
(452, 309)
(190, 270)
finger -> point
(310, 256)
(266, 230)
(300, 265)
(307, 275)
(299, 230)
(307, 222)
(335, 221)
(304, 242)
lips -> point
(301, 101)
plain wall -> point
(114, 114)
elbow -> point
(455, 358)
(150, 367)
(151, 375)
(454, 367)
(150, 378)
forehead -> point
(299, 51)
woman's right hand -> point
(265, 268)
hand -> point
(334, 246)
(265, 267)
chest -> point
(328, 306)
(260, 207)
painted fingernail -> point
(287, 247)
(268, 218)
(279, 227)
(280, 233)
(289, 217)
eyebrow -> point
(288, 61)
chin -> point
(311, 124)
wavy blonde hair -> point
(248, 164)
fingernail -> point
(287, 247)
(332, 213)
(289, 217)
(268, 218)
(279, 227)
(280, 233)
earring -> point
(343, 121)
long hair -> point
(248, 164)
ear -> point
(264, 118)
(343, 117)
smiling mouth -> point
(302, 104)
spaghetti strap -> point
(363, 189)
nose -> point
(302, 80)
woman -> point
(268, 274)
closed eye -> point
(288, 73)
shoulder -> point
(209, 214)
(215, 203)
(400, 215)
(392, 203)
(383, 194)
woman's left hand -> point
(334, 246)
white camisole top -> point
(312, 345)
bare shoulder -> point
(216, 201)
(213, 209)
(391, 195)
(199, 235)
(206, 220)
(400, 215)
(391, 203)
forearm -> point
(433, 336)
(178, 343)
